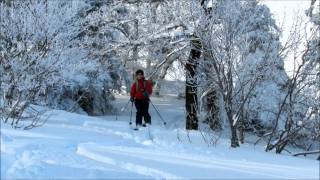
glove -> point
(131, 99)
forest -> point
(225, 61)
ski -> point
(135, 129)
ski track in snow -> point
(98, 148)
(105, 154)
(102, 153)
(133, 167)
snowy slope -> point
(81, 147)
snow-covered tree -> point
(300, 106)
(260, 72)
(30, 51)
(51, 54)
(241, 45)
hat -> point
(139, 71)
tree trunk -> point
(211, 98)
(233, 128)
(234, 137)
(241, 121)
(191, 84)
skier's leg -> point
(147, 117)
(139, 113)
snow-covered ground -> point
(81, 147)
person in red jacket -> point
(140, 93)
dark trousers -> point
(142, 107)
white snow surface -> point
(80, 147)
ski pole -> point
(164, 122)
(125, 107)
(131, 114)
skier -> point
(140, 92)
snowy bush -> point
(43, 63)
(30, 52)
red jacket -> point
(143, 85)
